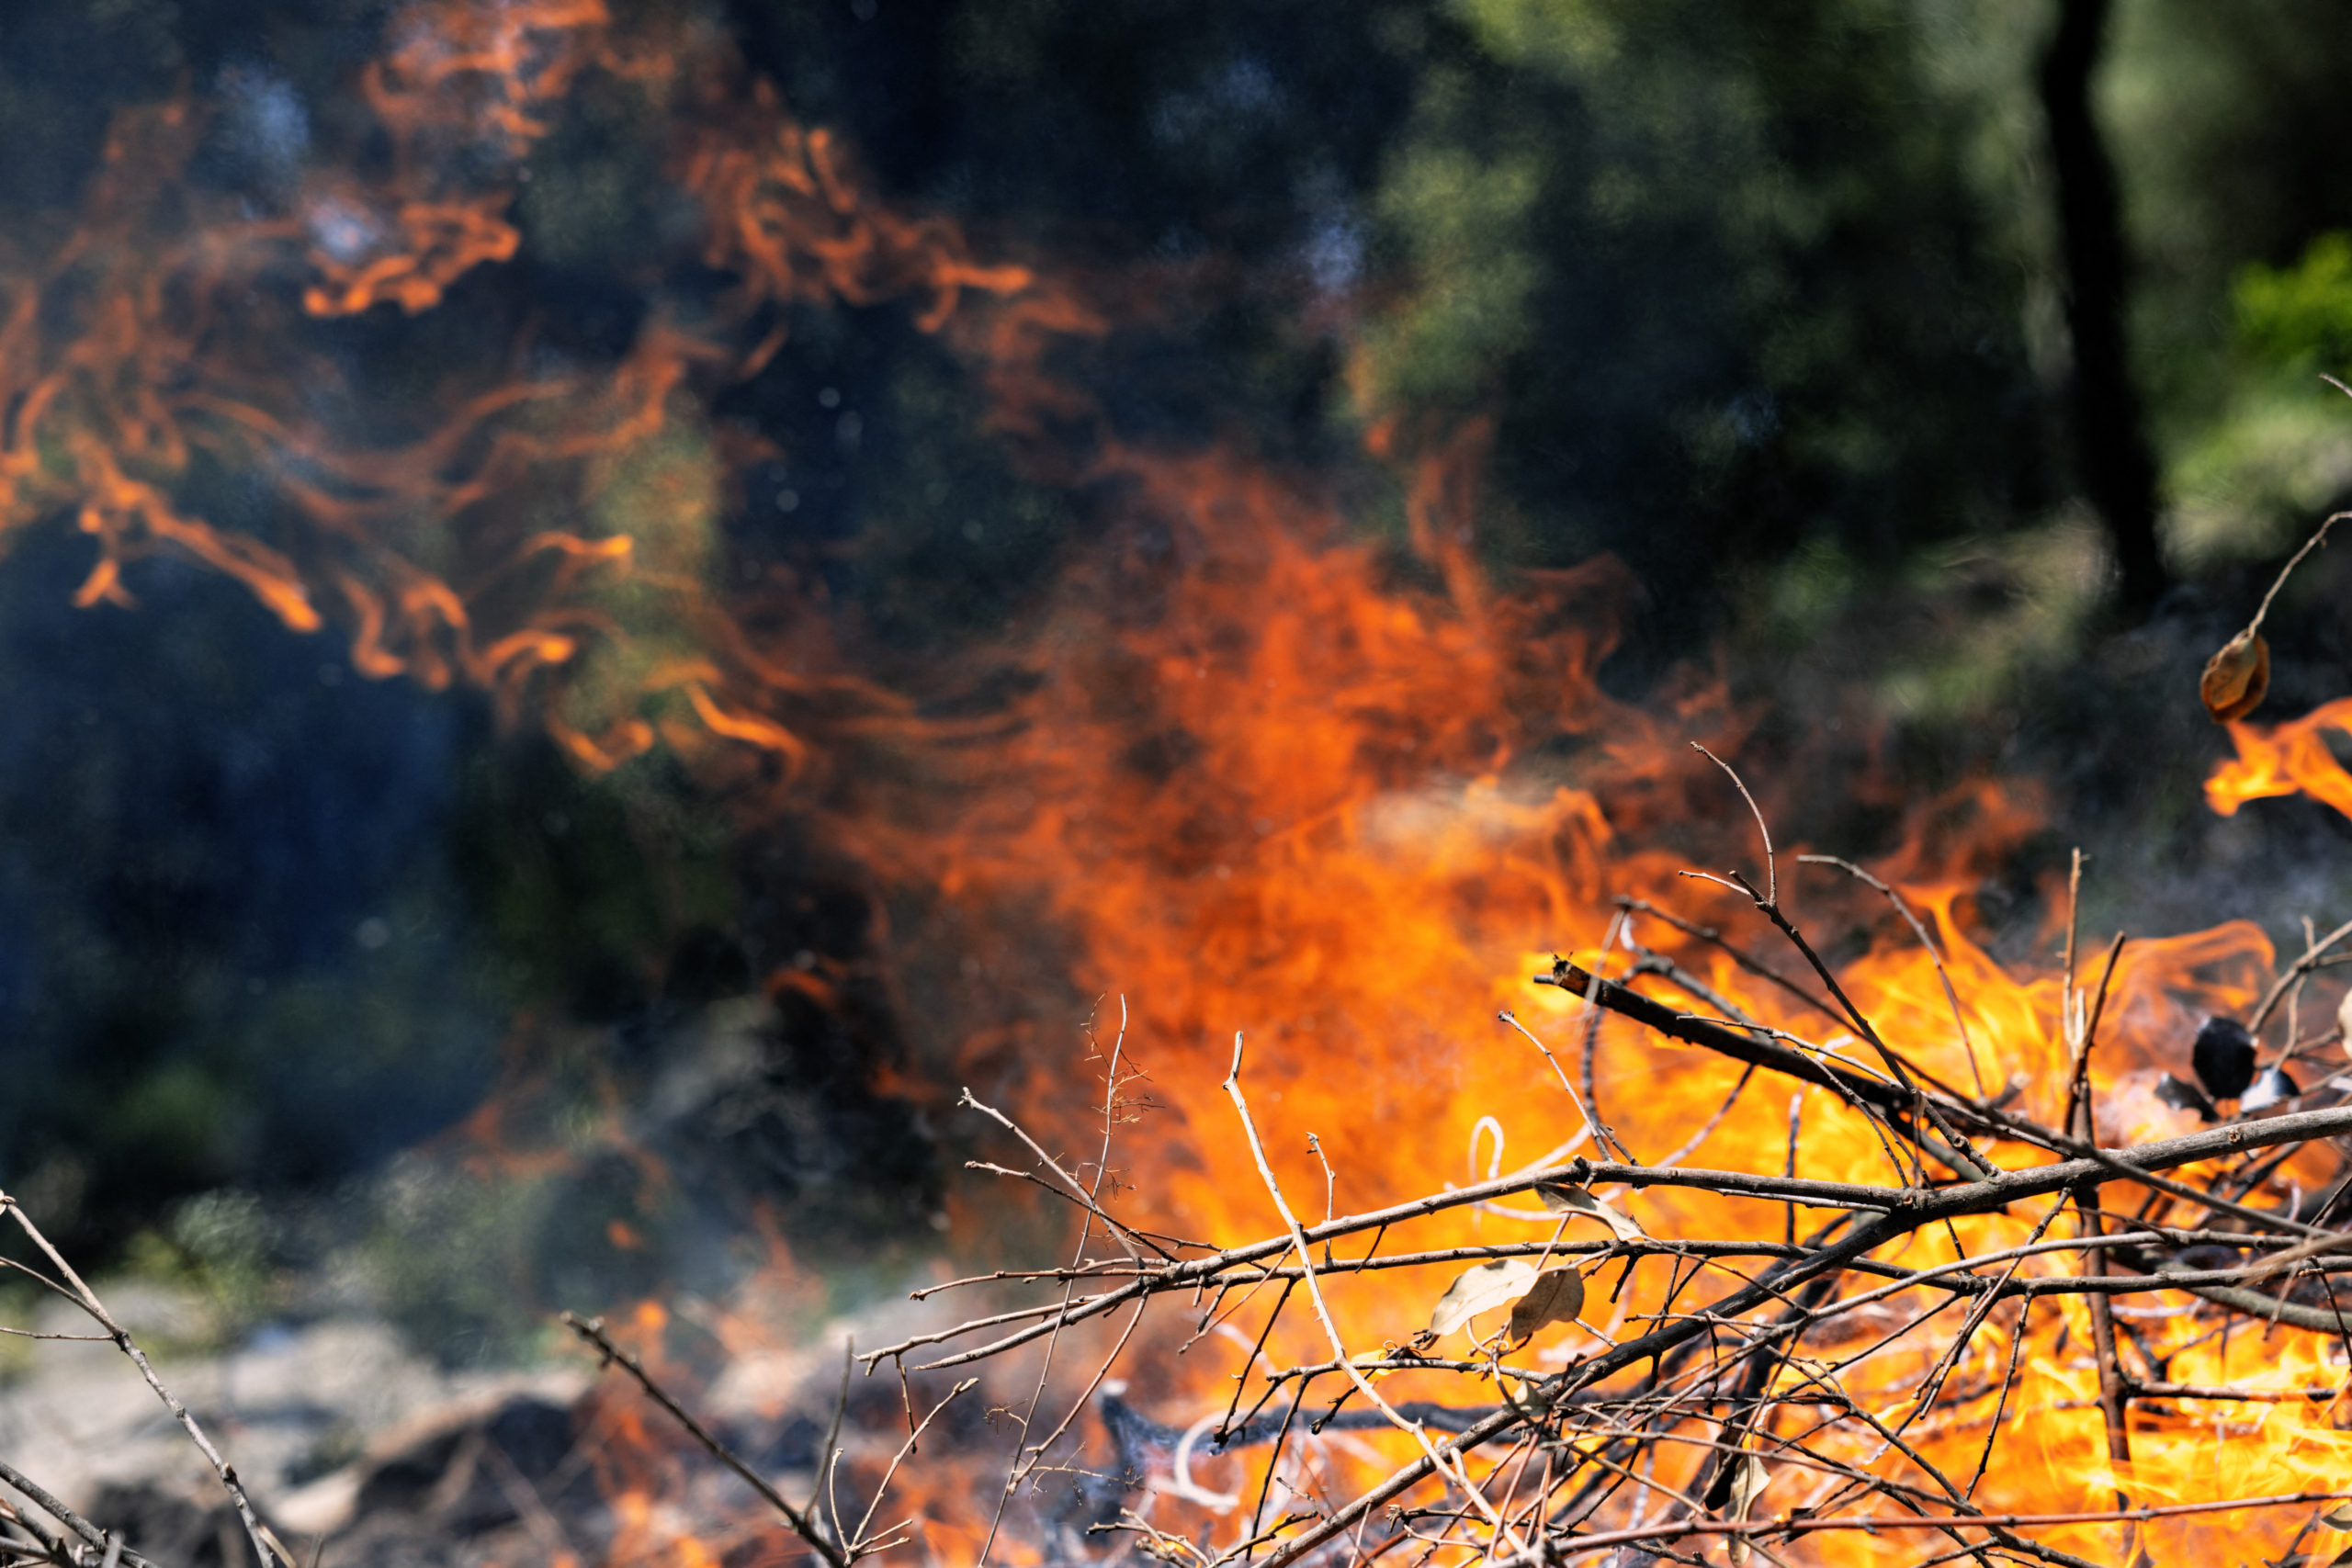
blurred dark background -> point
(1962, 354)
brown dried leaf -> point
(1482, 1289)
(1557, 1296)
(1748, 1483)
(2236, 677)
(1563, 1198)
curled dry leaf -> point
(1563, 1198)
(1748, 1480)
(1482, 1289)
(1557, 1296)
(2236, 677)
(1748, 1483)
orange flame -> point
(2292, 758)
(1270, 777)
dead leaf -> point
(1563, 1198)
(1482, 1289)
(1557, 1296)
(1748, 1483)
(2236, 677)
(1526, 1398)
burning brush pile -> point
(1772, 1217)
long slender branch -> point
(266, 1551)
(591, 1329)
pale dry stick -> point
(1793, 1527)
(2253, 626)
(1879, 1098)
(1951, 996)
(1736, 953)
(883, 1489)
(591, 1329)
(1458, 1472)
(826, 1455)
(1091, 1199)
(2141, 1164)
(1789, 1216)
(1665, 967)
(1102, 1268)
(2081, 1032)
(2314, 955)
(37, 1545)
(1591, 1127)
(266, 1549)
(1331, 1184)
(1921, 1208)
(1933, 1385)
(1604, 1137)
(1768, 903)
(2081, 1122)
(1771, 866)
(1037, 1453)
(1233, 1406)
(1076, 1189)
(1706, 1129)
(98, 1539)
(1877, 1120)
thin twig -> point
(808, 1528)
(265, 1551)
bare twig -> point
(266, 1550)
(808, 1528)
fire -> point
(1276, 792)
(2292, 758)
(1268, 776)
(546, 532)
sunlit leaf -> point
(1748, 1483)
(2236, 677)
(1563, 1198)
(1482, 1289)
(1557, 1296)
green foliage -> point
(2277, 446)
(2299, 315)
(1683, 251)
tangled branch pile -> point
(1882, 1381)
(1677, 1362)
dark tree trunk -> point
(2117, 473)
